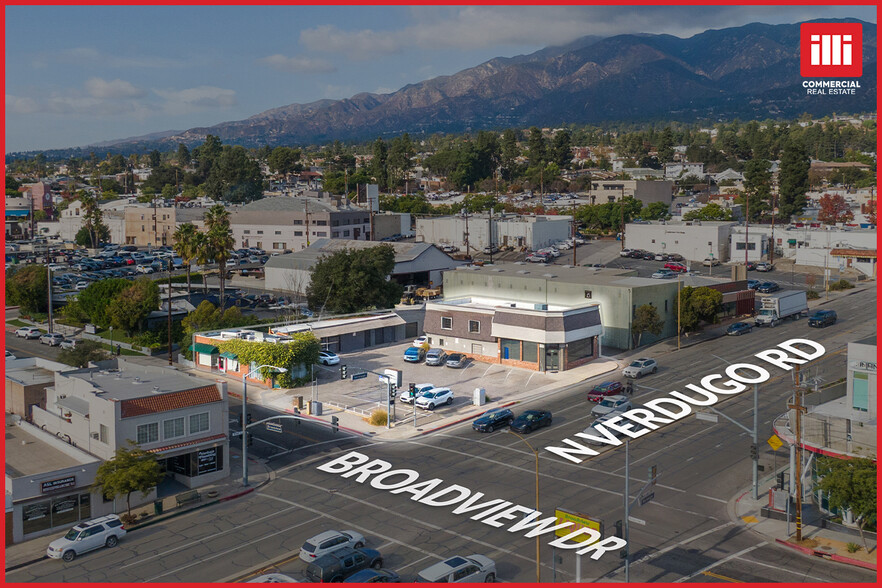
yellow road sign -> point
(579, 522)
(775, 442)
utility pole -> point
(678, 311)
(170, 360)
(746, 227)
(49, 281)
(622, 210)
(371, 208)
(465, 213)
(627, 510)
(797, 407)
(489, 234)
(31, 203)
(306, 209)
(772, 245)
(155, 234)
(574, 231)
(346, 182)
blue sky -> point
(80, 75)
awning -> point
(866, 253)
(204, 348)
(229, 355)
(17, 213)
(791, 241)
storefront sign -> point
(864, 366)
(206, 461)
(53, 485)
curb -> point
(26, 563)
(464, 419)
(833, 557)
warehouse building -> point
(483, 230)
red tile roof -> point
(169, 401)
(187, 443)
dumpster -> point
(157, 507)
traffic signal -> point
(754, 455)
(411, 388)
(334, 421)
(249, 439)
(781, 480)
(619, 533)
(250, 420)
(343, 371)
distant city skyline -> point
(77, 75)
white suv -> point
(418, 391)
(329, 541)
(435, 397)
(639, 367)
(458, 569)
(105, 531)
(28, 332)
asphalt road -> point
(687, 536)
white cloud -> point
(195, 99)
(114, 89)
(356, 45)
(89, 56)
(298, 64)
(21, 105)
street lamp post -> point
(245, 416)
(536, 453)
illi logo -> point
(831, 50)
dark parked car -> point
(739, 329)
(342, 563)
(768, 287)
(751, 265)
(822, 318)
(370, 576)
(531, 420)
(753, 284)
(649, 256)
(493, 419)
(600, 391)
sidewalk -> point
(27, 552)
(816, 541)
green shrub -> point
(378, 418)
(840, 285)
(853, 547)
(812, 295)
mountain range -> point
(746, 72)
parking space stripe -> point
(721, 562)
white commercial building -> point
(519, 231)
(694, 240)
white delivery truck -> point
(780, 305)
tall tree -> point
(793, 179)
(183, 155)
(93, 218)
(93, 301)
(86, 351)
(218, 241)
(509, 153)
(130, 470)
(536, 147)
(354, 280)
(378, 163)
(646, 320)
(834, 209)
(28, 287)
(186, 246)
(155, 158)
(562, 149)
(130, 307)
(758, 185)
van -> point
(342, 563)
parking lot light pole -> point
(245, 416)
(536, 453)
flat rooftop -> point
(136, 381)
(28, 455)
(485, 303)
(30, 375)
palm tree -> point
(203, 257)
(185, 245)
(218, 242)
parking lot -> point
(368, 394)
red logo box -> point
(831, 50)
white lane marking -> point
(413, 563)
(712, 498)
(721, 359)
(392, 512)
(235, 529)
(273, 444)
(663, 551)
(232, 549)
(644, 387)
(317, 457)
(721, 562)
(802, 575)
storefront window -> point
(148, 433)
(531, 351)
(511, 348)
(860, 386)
(580, 349)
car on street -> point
(710, 262)
(768, 287)
(70, 343)
(328, 358)
(739, 328)
(822, 318)
(371, 576)
(418, 389)
(104, 531)
(602, 390)
(456, 360)
(492, 420)
(414, 354)
(594, 431)
(434, 397)
(28, 332)
(436, 357)
(640, 367)
(531, 420)
(750, 265)
(338, 565)
(615, 403)
(420, 341)
(663, 274)
(676, 266)
(459, 569)
(324, 543)
(764, 266)
(753, 284)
